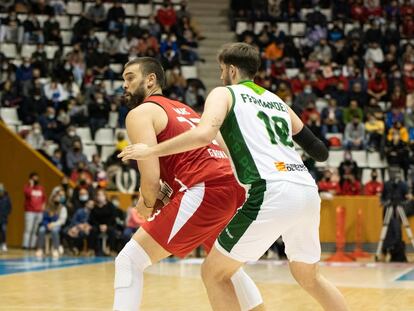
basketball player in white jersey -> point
(258, 129)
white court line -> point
(403, 273)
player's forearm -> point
(193, 139)
(149, 192)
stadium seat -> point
(89, 151)
(360, 157)
(51, 50)
(28, 50)
(101, 35)
(144, 22)
(327, 13)
(87, 5)
(73, 20)
(258, 26)
(9, 115)
(66, 37)
(106, 152)
(67, 49)
(85, 134)
(335, 157)
(283, 27)
(339, 136)
(41, 18)
(348, 27)
(129, 9)
(292, 72)
(189, 72)
(50, 148)
(144, 10)
(374, 160)
(117, 68)
(24, 128)
(320, 104)
(297, 29)
(240, 27)
(322, 165)
(108, 87)
(113, 119)
(64, 21)
(104, 136)
(8, 49)
(74, 7)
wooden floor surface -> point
(177, 287)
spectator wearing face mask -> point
(350, 186)
(302, 100)
(35, 137)
(354, 137)
(69, 139)
(373, 187)
(102, 220)
(347, 166)
(35, 201)
(53, 219)
(328, 185)
(79, 227)
(75, 156)
(126, 178)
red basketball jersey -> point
(206, 164)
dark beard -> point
(135, 99)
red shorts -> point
(196, 216)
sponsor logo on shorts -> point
(287, 167)
(229, 234)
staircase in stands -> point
(211, 17)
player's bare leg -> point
(217, 272)
(308, 276)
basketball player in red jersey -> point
(201, 204)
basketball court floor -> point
(75, 283)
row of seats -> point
(363, 158)
(294, 29)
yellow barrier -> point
(17, 161)
(372, 215)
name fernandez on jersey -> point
(257, 101)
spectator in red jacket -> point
(35, 200)
(326, 184)
(166, 15)
(309, 111)
(373, 187)
(378, 87)
(351, 186)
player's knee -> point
(123, 271)
(212, 272)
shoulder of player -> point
(144, 111)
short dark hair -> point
(241, 55)
(147, 66)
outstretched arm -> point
(215, 111)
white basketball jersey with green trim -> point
(258, 134)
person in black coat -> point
(5, 210)
(102, 220)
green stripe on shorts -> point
(244, 217)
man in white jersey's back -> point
(258, 130)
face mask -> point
(51, 116)
(374, 178)
(37, 131)
(67, 66)
(56, 203)
(77, 149)
(308, 90)
(99, 101)
(83, 198)
(72, 133)
(63, 200)
(36, 182)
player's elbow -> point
(204, 137)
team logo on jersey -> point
(287, 167)
(181, 111)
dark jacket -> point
(5, 208)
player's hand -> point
(142, 209)
(135, 152)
